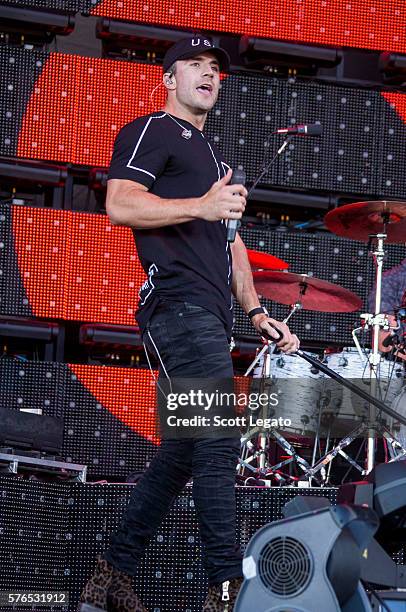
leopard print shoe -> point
(222, 597)
(109, 590)
(121, 597)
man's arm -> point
(243, 285)
(246, 295)
(393, 286)
(129, 203)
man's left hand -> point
(289, 342)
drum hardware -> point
(301, 292)
(257, 259)
(375, 223)
(379, 255)
(260, 452)
(377, 426)
(362, 220)
(389, 382)
(353, 363)
(325, 462)
(269, 346)
(310, 292)
(368, 322)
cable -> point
(265, 170)
(151, 95)
(383, 604)
(162, 364)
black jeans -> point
(191, 343)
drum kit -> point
(337, 397)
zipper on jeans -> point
(225, 596)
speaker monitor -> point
(308, 562)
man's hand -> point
(289, 343)
(384, 334)
(223, 201)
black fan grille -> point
(285, 566)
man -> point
(170, 184)
(393, 298)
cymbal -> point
(360, 220)
(312, 293)
(264, 261)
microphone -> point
(312, 129)
(238, 178)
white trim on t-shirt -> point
(138, 144)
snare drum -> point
(302, 393)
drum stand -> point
(374, 358)
(372, 426)
(363, 428)
(260, 451)
(396, 450)
(378, 322)
(264, 436)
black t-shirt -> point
(188, 261)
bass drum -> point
(303, 392)
(350, 365)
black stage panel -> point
(110, 447)
(75, 522)
(344, 158)
(92, 434)
(59, 6)
(323, 255)
(13, 297)
(360, 151)
(32, 385)
(35, 536)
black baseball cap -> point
(191, 46)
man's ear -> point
(169, 80)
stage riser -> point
(52, 533)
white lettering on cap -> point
(196, 42)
